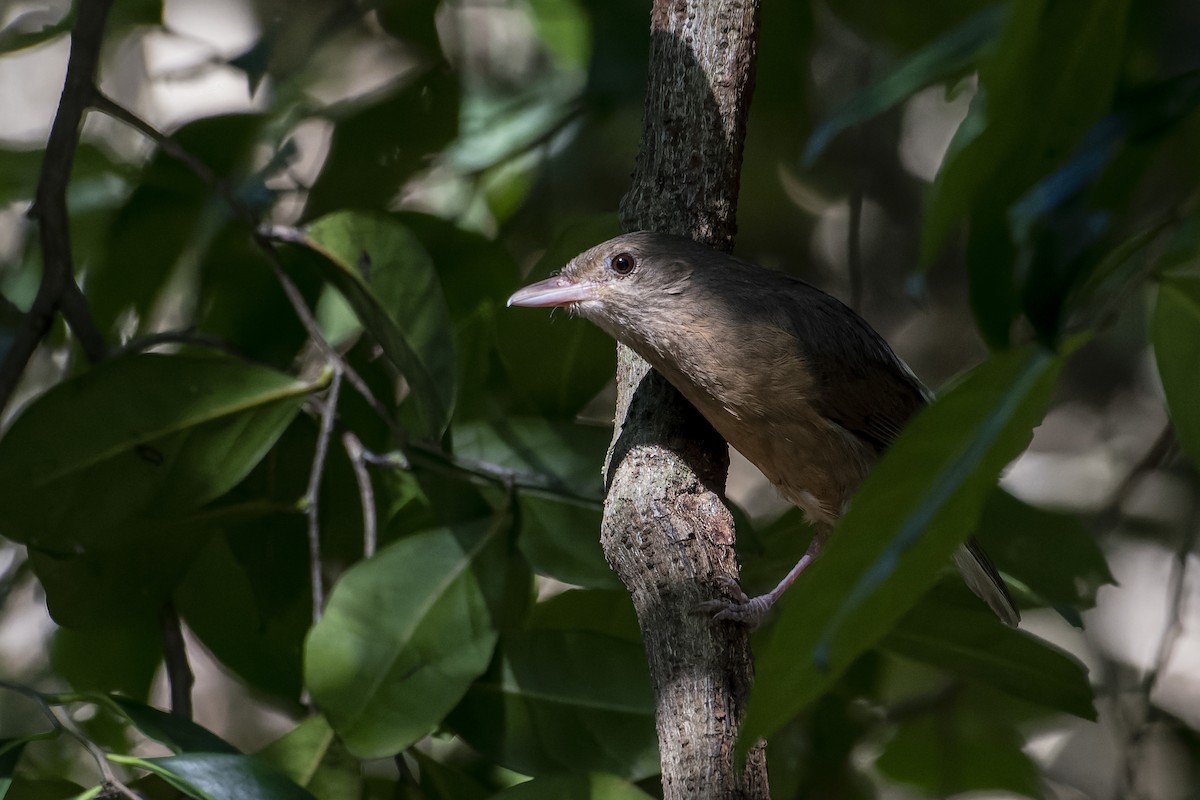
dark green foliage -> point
(481, 638)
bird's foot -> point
(741, 608)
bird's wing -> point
(861, 384)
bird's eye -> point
(622, 263)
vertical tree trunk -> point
(666, 532)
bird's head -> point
(627, 286)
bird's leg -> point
(752, 610)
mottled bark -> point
(666, 532)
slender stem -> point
(366, 493)
(179, 672)
(313, 494)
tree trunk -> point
(666, 532)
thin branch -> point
(67, 726)
(366, 493)
(309, 321)
(185, 336)
(58, 292)
(313, 493)
(1162, 450)
(179, 671)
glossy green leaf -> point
(589, 786)
(563, 700)
(180, 734)
(134, 440)
(219, 776)
(945, 58)
(1175, 332)
(1050, 552)
(953, 630)
(403, 636)
(915, 508)
(388, 279)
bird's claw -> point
(742, 609)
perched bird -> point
(794, 380)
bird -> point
(791, 378)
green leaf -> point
(589, 786)
(122, 658)
(952, 630)
(139, 439)
(404, 635)
(1175, 332)
(179, 734)
(606, 612)
(943, 59)
(219, 776)
(114, 587)
(247, 597)
(170, 219)
(561, 538)
(962, 748)
(385, 274)
(10, 754)
(377, 147)
(915, 508)
(49, 789)
(561, 456)
(313, 756)
(557, 700)
(1058, 93)
(1049, 552)
(555, 366)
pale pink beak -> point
(556, 291)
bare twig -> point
(185, 336)
(58, 292)
(313, 493)
(1162, 449)
(366, 493)
(67, 726)
(179, 671)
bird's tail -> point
(983, 579)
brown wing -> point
(863, 386)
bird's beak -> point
(556, 291)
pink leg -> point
(751, 610)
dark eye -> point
(622, 263)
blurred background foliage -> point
(973, 177)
